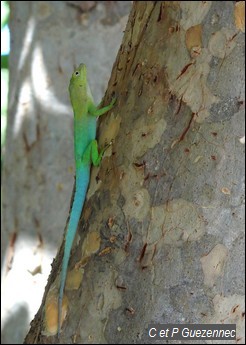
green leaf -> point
(4, 61)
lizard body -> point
(85, 153)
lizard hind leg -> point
(92, 154)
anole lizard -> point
(85, 153)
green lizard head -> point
(78, 84)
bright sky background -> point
(5, 46)
(5, 40)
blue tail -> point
(82, 181)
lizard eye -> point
(76, 73)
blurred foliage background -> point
(4, 69)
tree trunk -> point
(160, 240)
